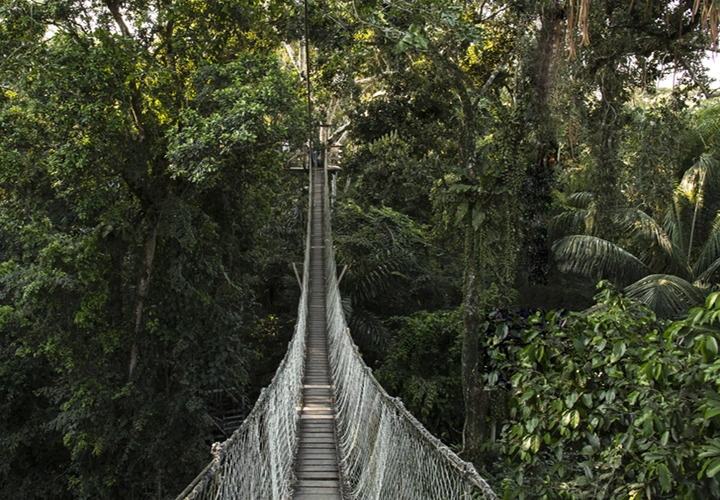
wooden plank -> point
(318, 430)
(319, 476)
(315, 471)
(316, 444)
(304, 494)
(316, 455)
(311, 454)
(312, 461)
(319, 437)
(319, 483)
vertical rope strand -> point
(308, 85)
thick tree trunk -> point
(606, 191)
(478, 274)
(114, 7)
(143, 288)
(475, 398)
(540, 174)
(542, 67)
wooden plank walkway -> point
(316, 464)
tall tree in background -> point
(625, 47)
(140, 158)
(543, 66)
(439, 82)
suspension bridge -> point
(325, 429)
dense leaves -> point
(141, 204)
(611, 403)
(668, 262)
(387, 254)
(147, 229)
(422, 367)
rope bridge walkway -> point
(324, 428)
(316, 464)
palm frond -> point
(707, 277)
(691, 185)
(711, 167)
(674, 227)
(710, 252)
(368, 330)
(668, 296)
(708, 130)
(598, 258)
(567, 223)
(375, 276)
(654, 246)
(580, 199)
(708, 127)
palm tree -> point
(379, 246)
(671, 265)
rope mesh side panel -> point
(385, 452)
(257, 460)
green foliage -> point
(609, 404)
(141, 204)
(669, 261)
(422, 367)
(659, 146)
(239, 114)
(387, 254)
(30, 446)
(389, 173)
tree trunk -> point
(606, 192)
(541, 172)
(474, 396)
(143, 288)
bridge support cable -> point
(256, 462)
(385, 452)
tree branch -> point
(706, 92)
(114, 6)
(292, 56)
(491, 78)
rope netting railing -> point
(257, 460)
(385, 452)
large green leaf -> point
(571, 222)
(667, 295)
(580, 199)
(707, 262)
(598, 258)
(655, 246)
